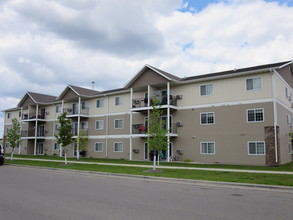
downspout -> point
(130, 126)
(275, 112)
(36, 130)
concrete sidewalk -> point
(162, 167)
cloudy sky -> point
(48, 44)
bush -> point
(187, 160)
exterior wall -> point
(231, 133)
(225, 90)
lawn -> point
(268, 179)
(285, 167)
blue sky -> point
(47, 44)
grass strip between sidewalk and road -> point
(223, 176)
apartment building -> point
(241, 116)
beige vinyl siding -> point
(281, 91)
(225, 90)
(119, 108)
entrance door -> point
(146, 151)
(40, 148)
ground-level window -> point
(290, 148)
(256, 148)
(146, 150)
(207, 147)
(207, 118)
(118, 147)
(99, 147)
(56, 146)
(255, 115)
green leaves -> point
(14, 134)
(64, 135)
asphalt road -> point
(31, 193)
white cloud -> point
(47, 44)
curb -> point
(204, 183)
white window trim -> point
(248, 142)
(122, 123)
(208, 142)
(214, 115)
(114, 147)
(206, 85)
(120, 100)
(261, 84)
(263, 112)
(103, 100)
(96, 125)
(290, 148)
(96, 148)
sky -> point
(47, 44)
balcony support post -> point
(36, 130)
(168, 122)
(78, 128)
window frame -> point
(120, 100)
(101, 103)
(95, 147)
(214, 118)
(118, 119)
(102, 127)
(256, 153)
(114, 146)
(208, 142)
(253, 86)
(255, 121)
(206, 85)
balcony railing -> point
(143, 102)
(142, 128)
(83, 131)
(31, 133)
(74, 111)
(33, 115)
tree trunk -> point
(154, 164)
(65, 158)
(11, 157)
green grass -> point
(268, 179)
(285, 167)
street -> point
(32, 193)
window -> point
(118, 147)
(207, 118)
(118, 100)
(207, 148)
(118, 123)
(19, 114)
(207, 89)
(99, 124)
(58, 108)
(100, 103)
(56, 146)
(289, 120)
(99, 147)
(84, 105)
(253, 83)
(256, 148)
(7, 145)
(84, 125)
(255, 115)
(290, 148)
(8, 115)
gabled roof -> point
(238, 71)
(38, 98)
(79, 91)
(162, 73)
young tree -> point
(14, 135)
(64, 134)
(157, 139)
(82, 141)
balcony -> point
(33, 115)
(143, 102)
(74, 111)
(83, 131)
(31, 133)
(142, 129)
